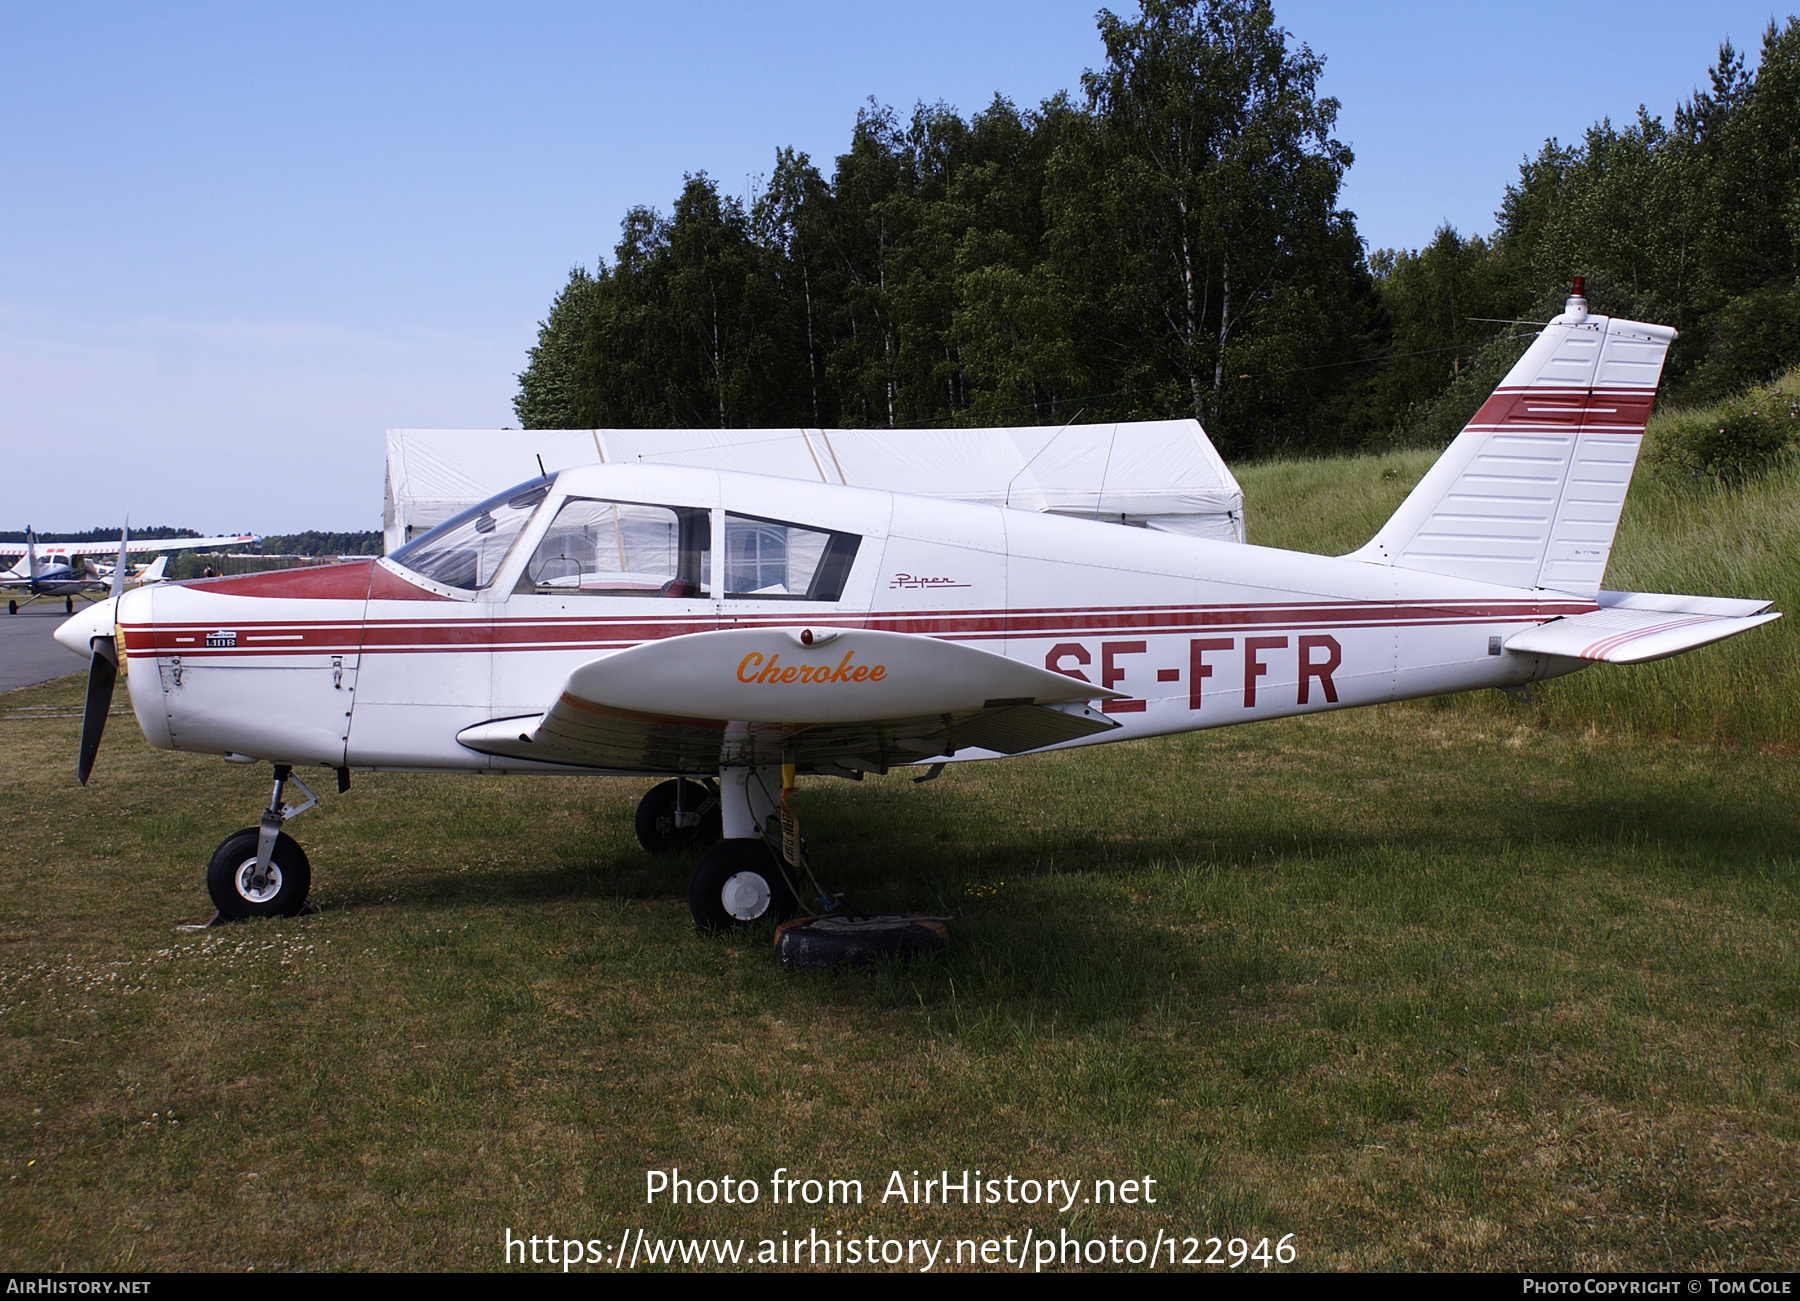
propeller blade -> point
(118, 575)
(103, 673)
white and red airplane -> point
(69, 569)
(733, 630)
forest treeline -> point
(1170, 243)
(316, 542)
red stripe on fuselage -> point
(484, 635)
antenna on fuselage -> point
(542, 472)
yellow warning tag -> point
(790, 836)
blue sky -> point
(239, 242)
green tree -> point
(789, 222)
(550, 387)
(1442, 303)
(1223, 176)
(724, 370)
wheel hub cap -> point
(247, 887)
(745, 896)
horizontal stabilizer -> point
(1623, 633)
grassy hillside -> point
(1679, 534)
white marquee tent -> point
(1159, 474)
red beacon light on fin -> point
(1575, 310)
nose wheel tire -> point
(656, 829)
(231, 877)
(738, 883)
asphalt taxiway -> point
(28, 652)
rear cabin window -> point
(622, 548)
(769, 559)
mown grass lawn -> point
(1432, 986)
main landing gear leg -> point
(739, 881)
(261, 871)
(677, 815)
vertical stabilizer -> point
(1529, 494)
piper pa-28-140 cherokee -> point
(733, 630)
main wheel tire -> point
(656, 829)
(12, 607)
(228, 877)
(739, 883)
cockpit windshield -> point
(466, 550)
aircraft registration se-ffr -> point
(734, 630)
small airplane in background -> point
(732, 631)
(67, 569)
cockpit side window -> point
(622, 548)
(466, 550)
(770, 559)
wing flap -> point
(1622, 634)
(1028, 727)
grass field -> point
(1450, 985)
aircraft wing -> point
(845, 700)
(1637, 627)
(132, 545)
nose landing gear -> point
(239, 889)
(261, 871)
